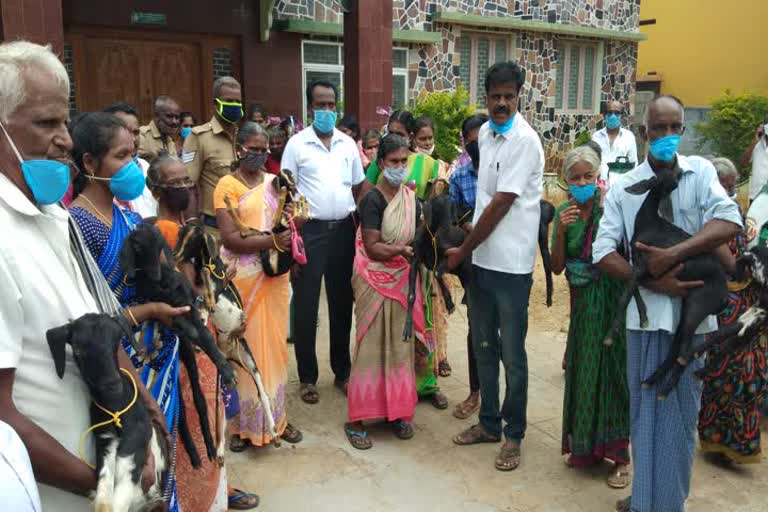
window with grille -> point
(478, 52)
(578, 77)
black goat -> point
(121, 444)
(147, 262)
(653, 230)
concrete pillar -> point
(39, 21)
(368, 59)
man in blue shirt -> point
(462, 186)
(664, 432)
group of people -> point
(366, 193)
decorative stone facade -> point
(436, 67)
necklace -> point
(96, 210)
(246, 181)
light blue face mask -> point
(128, 183)
(664, 149)
(324, 121)
(48, 180)
(395, 175)
(582, 193)
(186, 131)
(503, 128)
(612, 121)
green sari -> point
(596, 403)
(423, 168)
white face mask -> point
(427, 151)
(395, 175)
(765, 129)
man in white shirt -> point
(43, 281)
(502, 245)
(326, 166)
(614, 140)
(17, 482)
(663, 432)
(757, 153)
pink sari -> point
(382, 383)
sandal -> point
(508, 458)
(402, 429)
(619, 479)
(308, 393)
(291, 434)
(624, 505)
(439, 401)
(242, 500)
(357, 438)
(444, 369)
(237, 444)
(467, 408)
(475, 434)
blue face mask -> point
(324, 120)
(612, 121)
(582, 193)
(504, 127)
(664, 149)
(48, 180)
(186, 131)
(128, 183)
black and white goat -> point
(653, 230)
(121, 444)
(224, 305)
(147, 262)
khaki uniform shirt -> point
(208, 153)
(152, 142)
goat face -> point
(95, 339)
(662, 184)
(757, 260)
(143, 250)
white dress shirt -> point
(42, 287)
(759, 168)
(698, 198)
(146, 204)
(512, 162)
(17, 482)
(325, 177)
(623, 145)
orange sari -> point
(265, 304)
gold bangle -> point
(133, 318)
(274, 241)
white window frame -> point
(404, 73)
(564, 51)
(476, 96)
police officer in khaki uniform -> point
(210, 149)
(157, 136)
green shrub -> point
(448, 109)
(730, 126)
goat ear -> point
(211, 246)
(58, 337)
(641, 187)
(127, 259)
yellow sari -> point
(265, 304)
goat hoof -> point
(608, 342)
(682, 361)
(661, 397)
(645, 385)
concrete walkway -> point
(429, 473)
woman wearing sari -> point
(431, 355)
(596, 404)
(265, 299)
(382, 383)
(103, 151)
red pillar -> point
(39, 21)
(368, 60)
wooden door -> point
(137, 66)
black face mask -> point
(253, 161)
(177, 199)
(473, 150)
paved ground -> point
(429, 473)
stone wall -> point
(436, 67)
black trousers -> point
(474, 380)
(330, 248)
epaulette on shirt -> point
(197, 130)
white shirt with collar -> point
(698, 199)
(623, 145)
(42, 287)
(512, 162)
(325, 177)
(17, 482)
(146, 204)
(759, 168)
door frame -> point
(76, 35)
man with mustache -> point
(502, 244)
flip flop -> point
(475, 434)
(624, 505)
(444, 369)
(439, 401)
(235, 501)
(357, 438)
(402, 429)
(238, 444)
(508, 458)
(308, 393)
(292, 435)
(619, 479)
(463, 411)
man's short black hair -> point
(504, 73)
(320, 83)
(472, 123)
(123, 108)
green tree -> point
(448, 109)
(730, 126)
